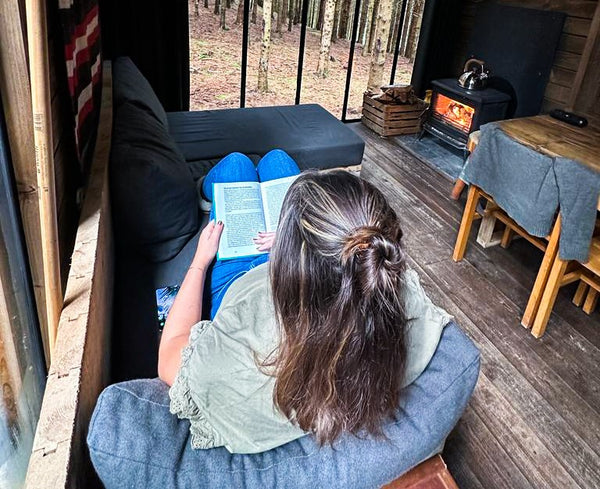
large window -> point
(22, 373)
(276, 52)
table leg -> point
(466, 223)
(542, 277)
(590, 301)
(457, 190)
(580, 293)
(549, 297)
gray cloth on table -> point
(531, 186)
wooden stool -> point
(589, 275)
(431, 474)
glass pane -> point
(273, 54)
(409, 32)
(22, 372)
(215, 54)
(327, 89)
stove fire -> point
(456, 112)
(452, 112)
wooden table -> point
(554, 138)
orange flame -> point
(455, 113)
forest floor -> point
(215, 66)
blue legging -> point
(237, 167)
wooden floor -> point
(534, 420)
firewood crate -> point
(392, 119)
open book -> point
(247, 208)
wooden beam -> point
(584, 63)
(37, 35)
(16, 99)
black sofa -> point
(156, 161)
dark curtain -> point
(437, 43)
(155, 35)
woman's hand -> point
(208, 244)
(264, 241)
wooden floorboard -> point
(534, 419)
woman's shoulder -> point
(426, 321)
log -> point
(37, 34)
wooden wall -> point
(16, 98)
(579, 27)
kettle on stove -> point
(475, 75)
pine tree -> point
(336, 20)
(323, 66)
(222, 12)
(379, 50)
(344, 16)
(263, 63)
(240, 12)
(364, 7)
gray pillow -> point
(129, 85)
(134, 440)
(153, 195)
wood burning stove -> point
(455, 112)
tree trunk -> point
(290, 15)
(336, 21)
(379, 51)
(280, 17)
(254, 10)
(344, 16)
(323, 66)
(217, 4)
(415, 28)
(370, 33)
(240, 13)
(297, 11)
(321, 13)
(363, 21)
(283, 12)
(222, 12)
(393, 19)
(197, 7)
(205, 3)
(228, 3)
(263, 63)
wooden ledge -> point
(79, 369)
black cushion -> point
(130, 86)
(308, 133)
(154, 200)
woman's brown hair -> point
(336, 271)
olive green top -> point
(224, 394)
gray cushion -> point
(135, 442)
(308, 133)
(154, 200)
(129, 85)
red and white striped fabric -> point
(81, 34)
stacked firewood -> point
(394, 111)
(397, 94)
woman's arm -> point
(187, 307)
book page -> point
(239, 206)
(273, 193)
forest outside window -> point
(279, 63)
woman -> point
(321, 339)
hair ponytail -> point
(337, 280)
